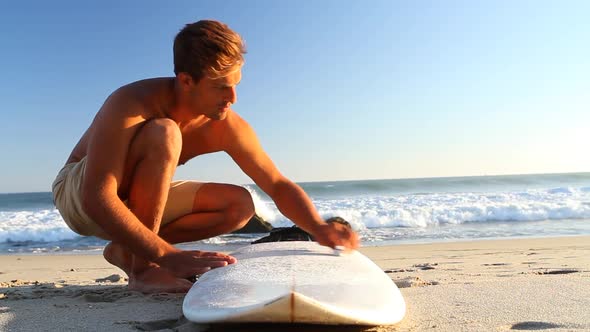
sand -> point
(491, 285)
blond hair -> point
(207, 48)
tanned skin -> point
(141, 134)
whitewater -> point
(384, 212)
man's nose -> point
(232, 96)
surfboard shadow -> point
(285, 327)
(182, 324)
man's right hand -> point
(336, 234)
(186, 264)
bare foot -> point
(153, 279)
(158, 280)
(118, 256)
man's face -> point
(213, 97)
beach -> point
(484, 285)
(449, 138)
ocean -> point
(384, 212)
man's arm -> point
(245, 149)
(113, 130)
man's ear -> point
(185, 80)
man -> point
(117, 182)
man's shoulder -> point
(237, 131)
(237, 124)
(139, 96)
(148, 82)
(144, 88)
(233, 118)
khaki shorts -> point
(68, 199)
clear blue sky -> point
(335, 89)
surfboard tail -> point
(297, 308)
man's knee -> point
(242, 209)
(162, 140)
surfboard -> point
(295, 282)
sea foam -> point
(424, 210)
(39, 226)
(366, 211)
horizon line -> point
(374, 179)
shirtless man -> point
(117, 183)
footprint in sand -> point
(163, 297)
(113, 294)
(426, 266)
(496, 264)
(175, 324)
(561, 271)
(25, 290)
(535, 326)
(111, 278)
(414, 282)
(110, 294)
(398, 270)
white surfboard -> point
(295, 282)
